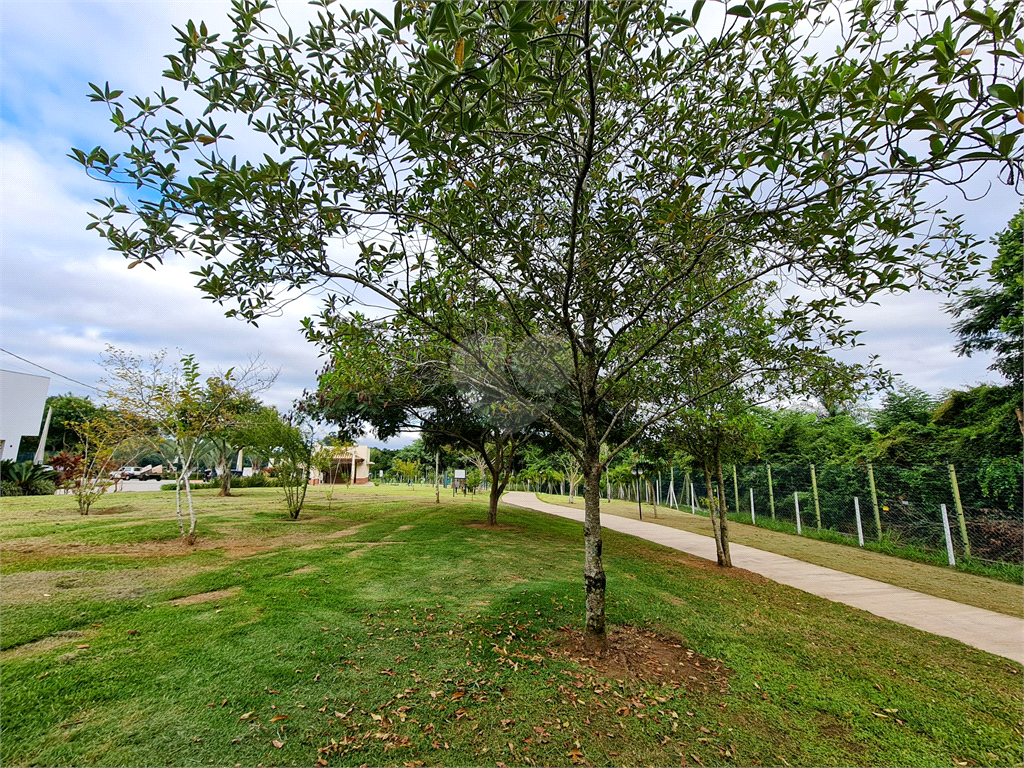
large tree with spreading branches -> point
(618, 181)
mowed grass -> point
(940, 581)
(387, 630)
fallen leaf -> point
(277, 718)
(247, 715)
(879, 714)
(83, 647)
(277, 743)
(236, 741)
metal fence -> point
(901, 508)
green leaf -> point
(740, 10)
(1004, 93)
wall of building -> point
(22, 399)
(343, 456)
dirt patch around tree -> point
(634, 653)
(205, 597)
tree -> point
(393, 379)
(572, 471)
(409, 470)
(288, 443)
(992, 319)
(721, 430)
(237, 407)
(615, 177)
(169, 407)
(87, 475)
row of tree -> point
(164, 411)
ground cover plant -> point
(997, 589)
(393, 630)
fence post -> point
(814, 489)
(949, 539)
(796, 502)
(860, 529)
(736, 489)
(693, 500)
(753, 517)
(771, 493)
(874, 500)
(959, 510)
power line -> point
(37, 365)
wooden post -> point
(437, 477)
(959, 510)
(949, 540)
(796, 502)
(753, 517)
(771, 493)
(874, 501)
(814, 489)
(693, 500)
(736, 489)
(860, 529)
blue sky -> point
(64, 297)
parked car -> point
(138, 473)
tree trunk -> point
(593, 568)
(497, 488)
(225, 476)
(724, 559)
(716, 522)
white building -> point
(345, 460)
(22, 400)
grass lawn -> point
(388, 630)
(940, 581)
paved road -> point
(139, 485)
(993, 632)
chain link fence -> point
(898, 508)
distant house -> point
(357, 456)
(22, 399)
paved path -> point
(993, 632)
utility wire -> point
(37, 365)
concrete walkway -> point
(993, 632)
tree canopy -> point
(992, 319)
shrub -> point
(10, 488)
(41, 487)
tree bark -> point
(497, 488)
(716, 522)
(593, 567)
(725, 558)
(225, 476)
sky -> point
(64, 297)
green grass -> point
(438, 648)
(831, 550)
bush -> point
(10, 488)
(41, 487)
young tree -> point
(170, 407)
(87, 475)
(572, 472)
(616, 177)
(288, 443)
(237, 407)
